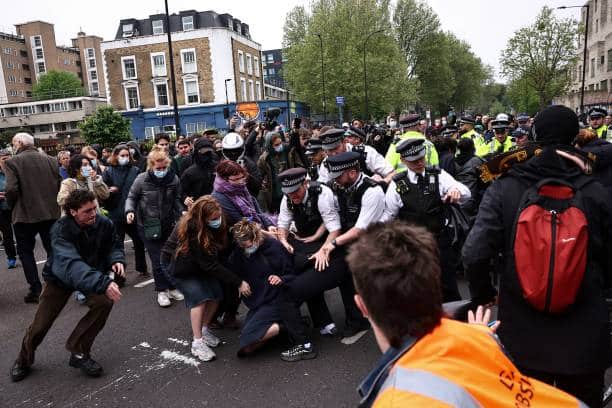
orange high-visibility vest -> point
(463, 365)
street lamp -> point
(177, 124)
(226, 113)
(365, 73)
(322, 78)
(584, 54)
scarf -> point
(239, 196)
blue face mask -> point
(251, 250)
(160, 173)
(94, 162)
(215, 224)
(85, 171)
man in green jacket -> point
(409, 124)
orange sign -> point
(247, 110)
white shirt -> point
(327, 205)
(372, 204)
(393, 201)
(324, 177)
(374, 161)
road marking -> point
(41, 262)
(353, 339)
(145, 283)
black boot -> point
(31, 297)
(19, 371)
(87, 365)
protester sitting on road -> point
(429, 360)
(265, 265)
(119, 177)
(85, 251)
(196, 252)
(154, 204)
(63, 159)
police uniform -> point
(318, 207)
(602, 131)
(417, 198)
(495, 146)
(330, 140)
(314, 146)
(394, 159)
(371, 161)
(472, 134)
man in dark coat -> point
(570, 349)
(198, 179)
(32, 184)
(85, 250)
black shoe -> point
(298, 353)
(31, 297)
(19, 371)
(87, 365)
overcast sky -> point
(485, 24)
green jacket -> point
(394, 159)
(493, 147)
(602, 131)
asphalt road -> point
(145, 352)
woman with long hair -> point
(82, 176)
(196, 250)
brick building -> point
(33, 51)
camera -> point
(270, 117)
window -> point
(13, 92)
(29, 94)
(94, 89)
(27, 110)
(258, 90)
(7, 50)
(129, 67)
(11, 78)
(256, 63)
(27, 80)
(40, 67)
(44, 128)
(602, 59)
(192, 93)
(90, 52)
(36, 41)
(158, 26)
(158, 64)
(150, 132)
(243, 89)
(188, 59)
(249, 63)
(93, 75)
(592, 67)
(128, 30)
(240, 61)
(270, 57)
(25, 67)
(603, 85)
(161, 94)
(251, 91)
(39, 53)
(131, 97)
(610, 59)
(92, 63)
(187, 23)
(596, 25)
(190, 128)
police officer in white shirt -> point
(373, 164)
(421, 196)
(332, 142)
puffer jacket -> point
(121, 177)
(82, 257)
(150, 197)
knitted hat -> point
(556, 124)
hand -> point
(274, 280)
(328, 248)
(244, 290)
(309, 239)
(482, 318)
(119, 269)
(377, 178)
(321, 259)
(287, 246)
(113, 189)
(233, 122)
(452, 196)
(130, 218)
(188, 202)
(113, 292)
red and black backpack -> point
(550, 243)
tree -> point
(523, 96)
(343, 26)
(542, 55)
(105, 127)
(57, 84)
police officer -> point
(410, 125)
(466, 129)
(373, 163)
(450, 131)
(332, 142)
(315, 155)
(311, 207)
(596, 120)
(418, 196)
(501, 142)
(232, 148)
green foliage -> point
(523, 96)
(542, 55)
(344, 26)
(6, 136)
(105, 127)
(493, 97)
(57, 84)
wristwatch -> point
(334, 243)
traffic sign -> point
(340, 100)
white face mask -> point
(123, 161)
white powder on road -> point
(145, 344)
(173, 356)
(179, 341)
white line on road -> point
(41, 262)
(145, 283)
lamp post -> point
(226, 97)
(177, 124)
(584, 52)
(365, 74)
(322, 78)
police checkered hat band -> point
(332, 138)
(409, 120)
(292, 179)
(411, 149)
(340, 163)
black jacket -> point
(603, 165)
(467, 173)
(576, 342)
(150, 197)
(82, 257)
(122, 177)
(197, 180)
(254, 181)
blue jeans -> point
(163, 280)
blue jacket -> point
(81, 258)
(3, 204)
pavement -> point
(145, 352)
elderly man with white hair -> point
(32, 184)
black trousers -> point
(588, 388)
(25, 234)
(448, 268)
(6, 228)
(122, 229)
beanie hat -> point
(556, 124)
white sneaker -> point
(210, 339)
(162, 299)
(202, 351)
(176, 294)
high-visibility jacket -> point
(478, 139)
(394, 159)
(461, 365)
(602, 131)
(494, 146)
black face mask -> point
(204, 159)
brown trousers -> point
(52, 300)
